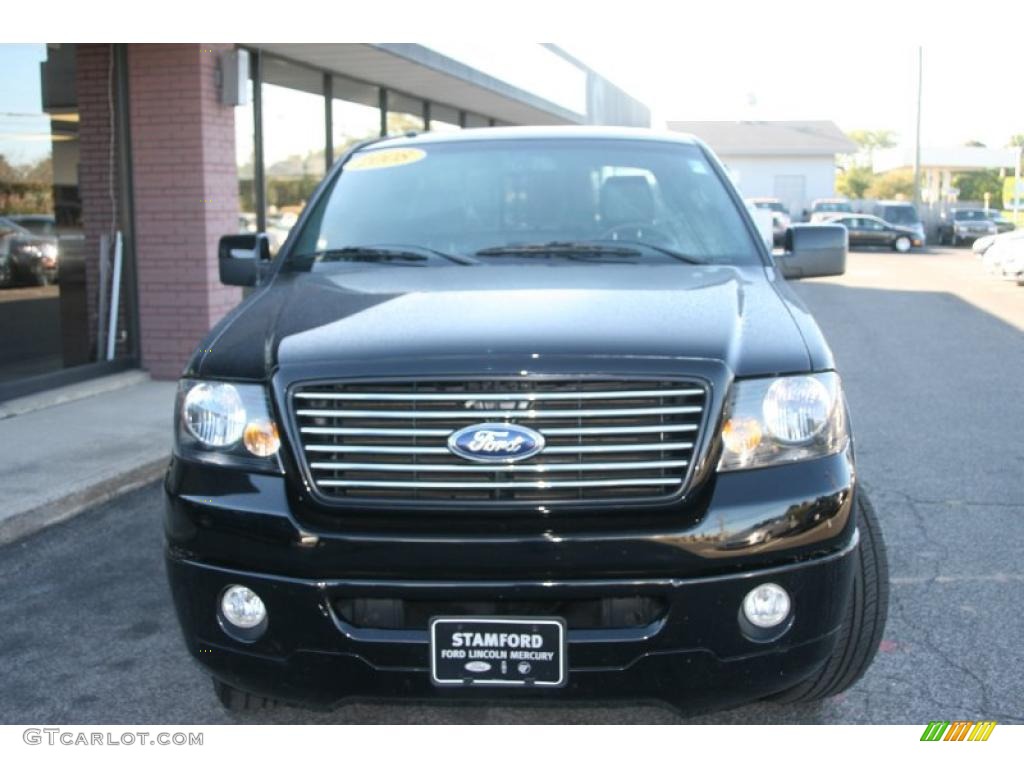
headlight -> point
(776, 421)
(214, 414)
(225, 423)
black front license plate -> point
(500, 651)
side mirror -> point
(241, 258)
(814, 250)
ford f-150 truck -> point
(522, 412)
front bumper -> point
(27, 266)
(694, 657)
(972, 234)
(792, 525)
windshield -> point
(38, 226)
(833, 206)
(462, 198)
(770, 206)
(9, 227)
(970, 216)
(899, 214)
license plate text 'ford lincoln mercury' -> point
(528, 413)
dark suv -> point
(960, 225)
(523, 413)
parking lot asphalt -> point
(932, 355)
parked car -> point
(780, 216)
(982, 244)
(825, 207)
(25, 257)
(964, 224)
(901, 214)
(1002, 223)
(247, 222)
(1010, 256)
(529, 411)
(1003, 246)
(872, 231)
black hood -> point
(361, 312)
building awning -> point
(429, 74)
(946, 158)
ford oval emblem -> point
(496, 442)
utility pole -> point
(1016, 184)
(917, 137)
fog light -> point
(242, 608)
(766, 606)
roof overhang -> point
(425, 73)
(769, 138)
(946, 158)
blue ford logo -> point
(496, 442)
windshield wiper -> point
(670, 252)
(559, 248)
(572, 249)
(408, 255)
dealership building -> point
(124, 164)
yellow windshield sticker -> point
(385, 158)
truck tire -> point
(235, 700)
(864, 623)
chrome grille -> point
(605, 439)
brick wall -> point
(185, 194)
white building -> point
(793, 160)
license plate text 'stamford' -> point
(505, 651)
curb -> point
(58, 510)
(71, 393)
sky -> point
(24, 130)
(851, 63)
(965, 96)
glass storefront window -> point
(443, 118)
(474, 120)
(355, 113)
(43, 304)
(404, 113)
(294, 142)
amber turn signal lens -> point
(261, 438)
(741, 436)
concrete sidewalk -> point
(65, 450)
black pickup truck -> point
(523, 413)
